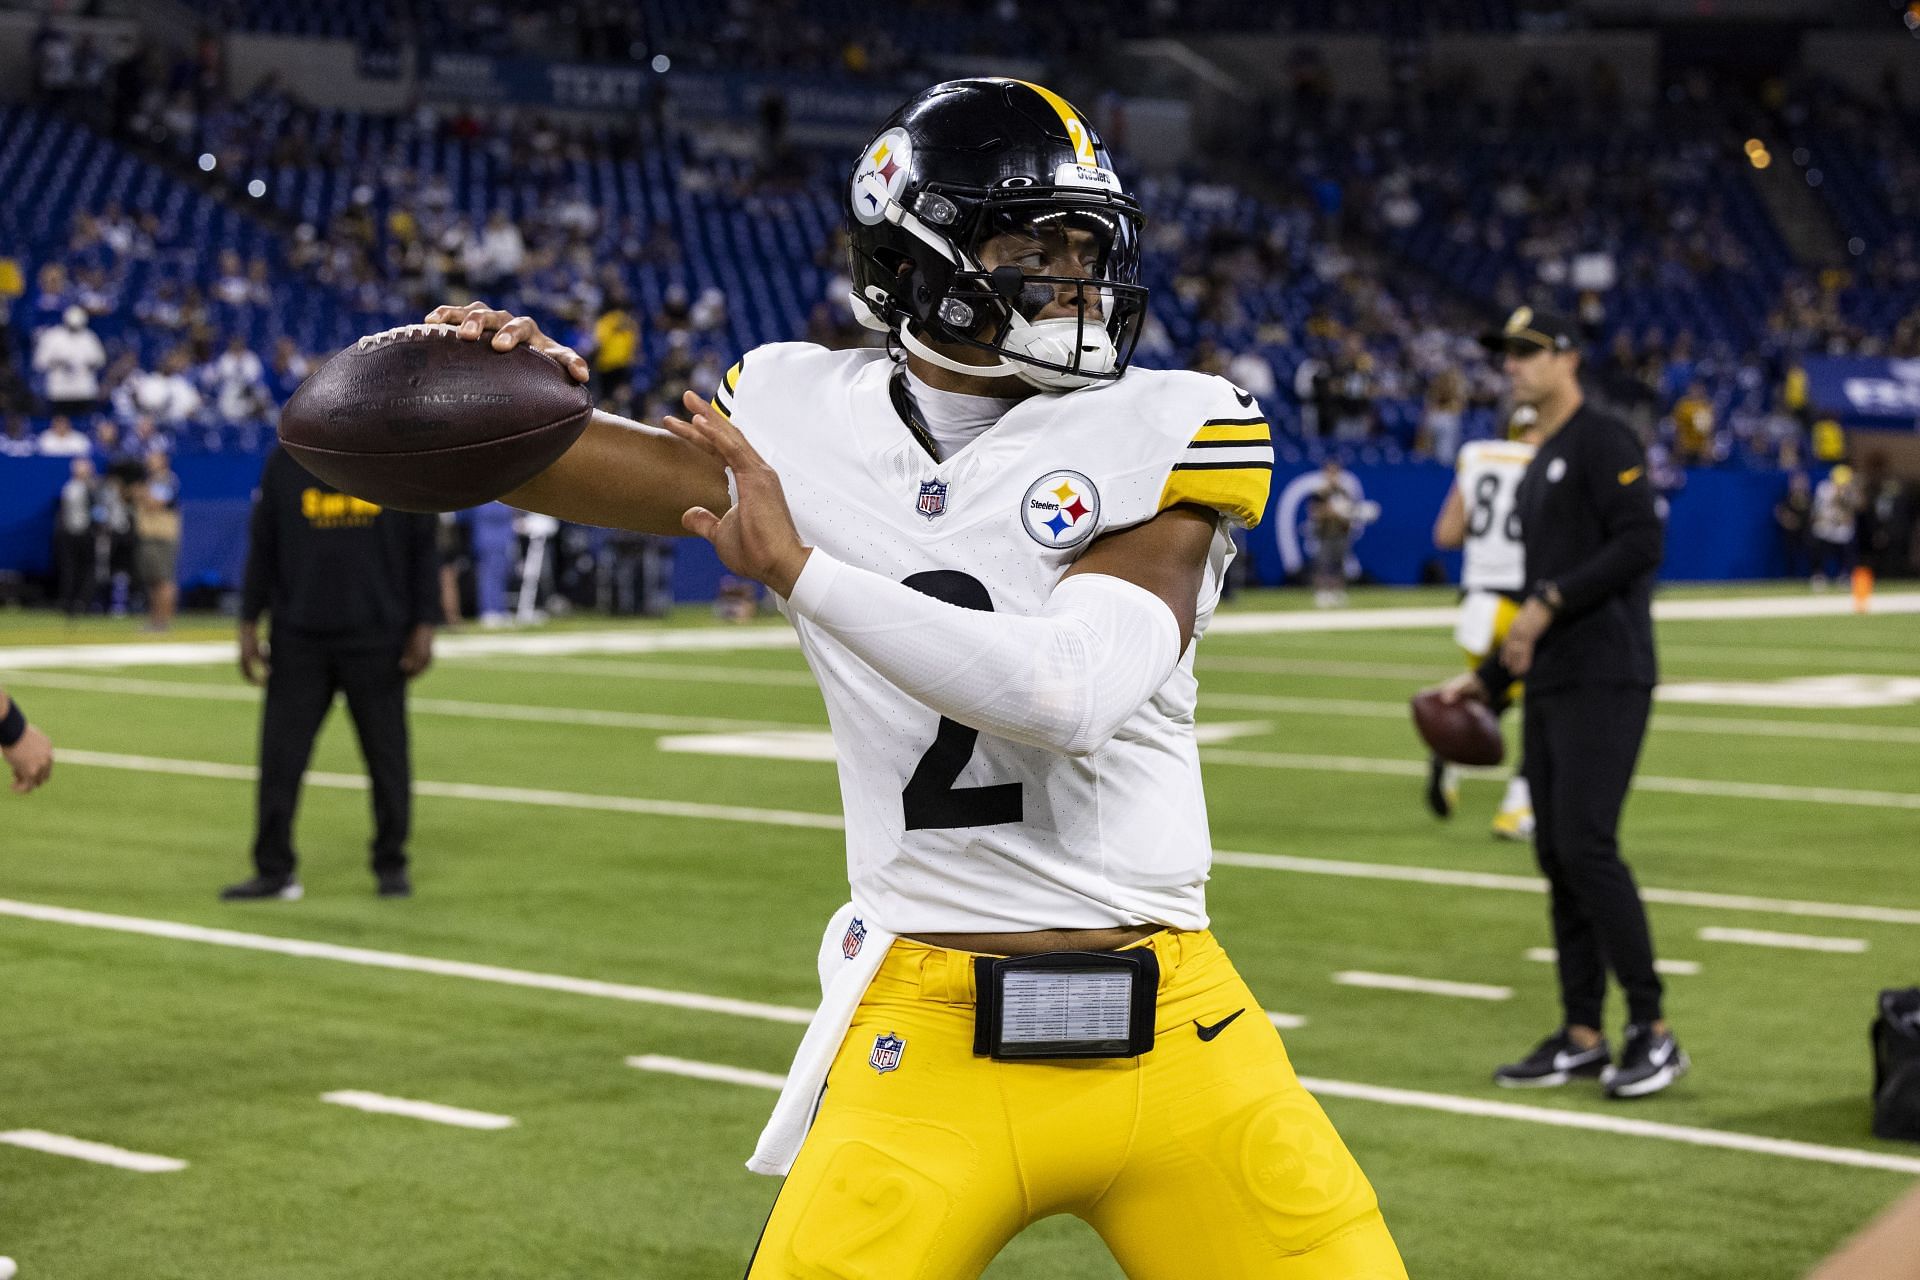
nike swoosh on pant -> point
(1208, 1033)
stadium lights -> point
(256, 188)
(207, 162)
(661, 62)
(1757, 153)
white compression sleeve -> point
(1065, 680)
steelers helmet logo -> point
(881, 175)
(1061, 510)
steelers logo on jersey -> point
(1061, 509)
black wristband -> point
(13, 725)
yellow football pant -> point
(1203, 1157)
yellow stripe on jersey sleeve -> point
(1228, 467)
(1239, 492)
(722, 400)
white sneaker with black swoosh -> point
(1650, 1061)
(1557, 1060)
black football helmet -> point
(959, 164)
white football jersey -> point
(1488, 474)
(950, 830)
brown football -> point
(418, 419)
(1463, 732)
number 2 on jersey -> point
(930, 799)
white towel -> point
(850, 954)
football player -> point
(1478, 518)
(998, 545)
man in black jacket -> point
(353, 592)
(1583, 641)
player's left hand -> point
(757, 538)
(418, 654)
(1516, 654)
(31, 760)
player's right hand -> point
(31, 760)
(1465, 687)
(253, 657)
(476, 320)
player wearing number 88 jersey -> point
(1480, 517)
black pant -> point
(305, 674)
(73, 557)
(1581, 744)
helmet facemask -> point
(972, 291)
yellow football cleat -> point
(1513, 824)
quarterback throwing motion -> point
(998, 546)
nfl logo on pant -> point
(886, 1052)
(855, 935)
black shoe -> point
(1556, 1061)
(394, 884)
(283, 888)
(1443, 787)
(1650, 1062)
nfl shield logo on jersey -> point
(933, 499)
(886, 1052)
(855, 935)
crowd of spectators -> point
(1348, 301)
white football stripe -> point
(55, 1144)
(707, 1071)
(1287, 1021)
(1681, 968)
(1790, 941)
(505, 711)
(1225, 857)
(1422, 986)
(175, 931)
(1484, 1108)
(438, 1113)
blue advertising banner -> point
(1865, 392)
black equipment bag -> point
(1896, 1065)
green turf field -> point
(553, 842)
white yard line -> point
(1680, 968)
(368, 958)
(502, 711)
(1422, 986)
(1663, 721)
(707, 1071)
(796, 1016)
(1489, 1109)
(471, 791)
(1533, 884)
(1644, 782)
(833, 822)
(677, 672)
(733, 639)
(1789, 941)
(1454, 1104)
(436, 1112)
(55, 1144)
(1287, 1021)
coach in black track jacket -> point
(1583, 643)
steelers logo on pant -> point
(1061, 510)
(1297, 1168)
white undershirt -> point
(953, 418)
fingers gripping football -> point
(477, 320)
(757, 537)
